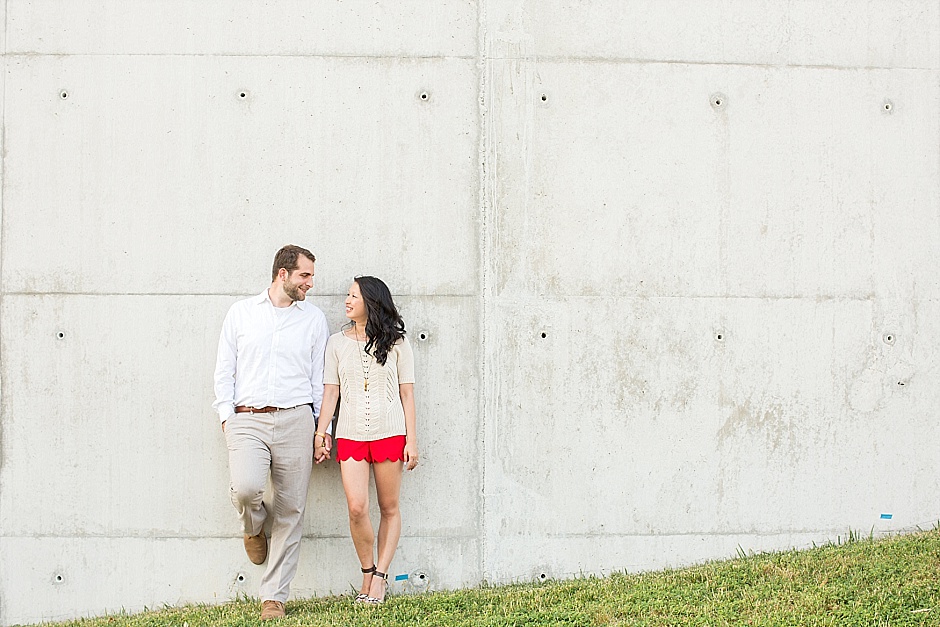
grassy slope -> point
(894, 581)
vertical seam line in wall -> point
(3, 208)
(3, 203)
(483, 189)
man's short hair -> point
(287, 258)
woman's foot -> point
(378, 589)
(367, 574)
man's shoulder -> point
(244, 303)
(309, 309)
(315, 320)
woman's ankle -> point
(367, 575)
(377, 588)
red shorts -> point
(387, 449)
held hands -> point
(322, 445)
(411, 454)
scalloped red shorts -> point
(387, 449)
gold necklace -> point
(366, 366)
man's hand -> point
(223, 425)
(322, 451)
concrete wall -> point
(676, 264)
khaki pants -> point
(280, 442)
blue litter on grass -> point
(401, 577)
(887, 516)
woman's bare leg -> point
(388, 490)
(356, 485)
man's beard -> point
(294, 291)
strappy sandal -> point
(363, 598)
(373, 600)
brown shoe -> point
(257, 548)
(272, 609)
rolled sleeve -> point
(317, 354)
(406, 362)
(225, 369)
(331, 369)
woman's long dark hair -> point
(384, 326)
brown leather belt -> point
(242, 409)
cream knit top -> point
(376, 413)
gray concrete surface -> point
(675, 264)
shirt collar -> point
(263, 298)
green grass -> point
(872, 583)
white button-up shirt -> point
(270, 356)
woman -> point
(370, 361)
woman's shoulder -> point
(336, 337)
(402, 344)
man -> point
(268, 388)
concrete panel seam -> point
(527, 57)
(3, 189)
(143, 535)
(485, 276)
(700, 534)
(707, 297)
(565, 59)
(417, 57)
(221, 294)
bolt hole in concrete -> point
(420, 580)
(720, 336)
(424, 95)
(543, 576)
(64, 94)
(544, 98)
(888, 338)
(243, 94)
(423, 336)
(60, 335)
(718, 100)
(59, 578)
(240, 578)
(888, 106)
(544, 335)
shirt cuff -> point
(226, 412)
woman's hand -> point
(411, 454)
(321, 451)
(322, 441)
(407, 393)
